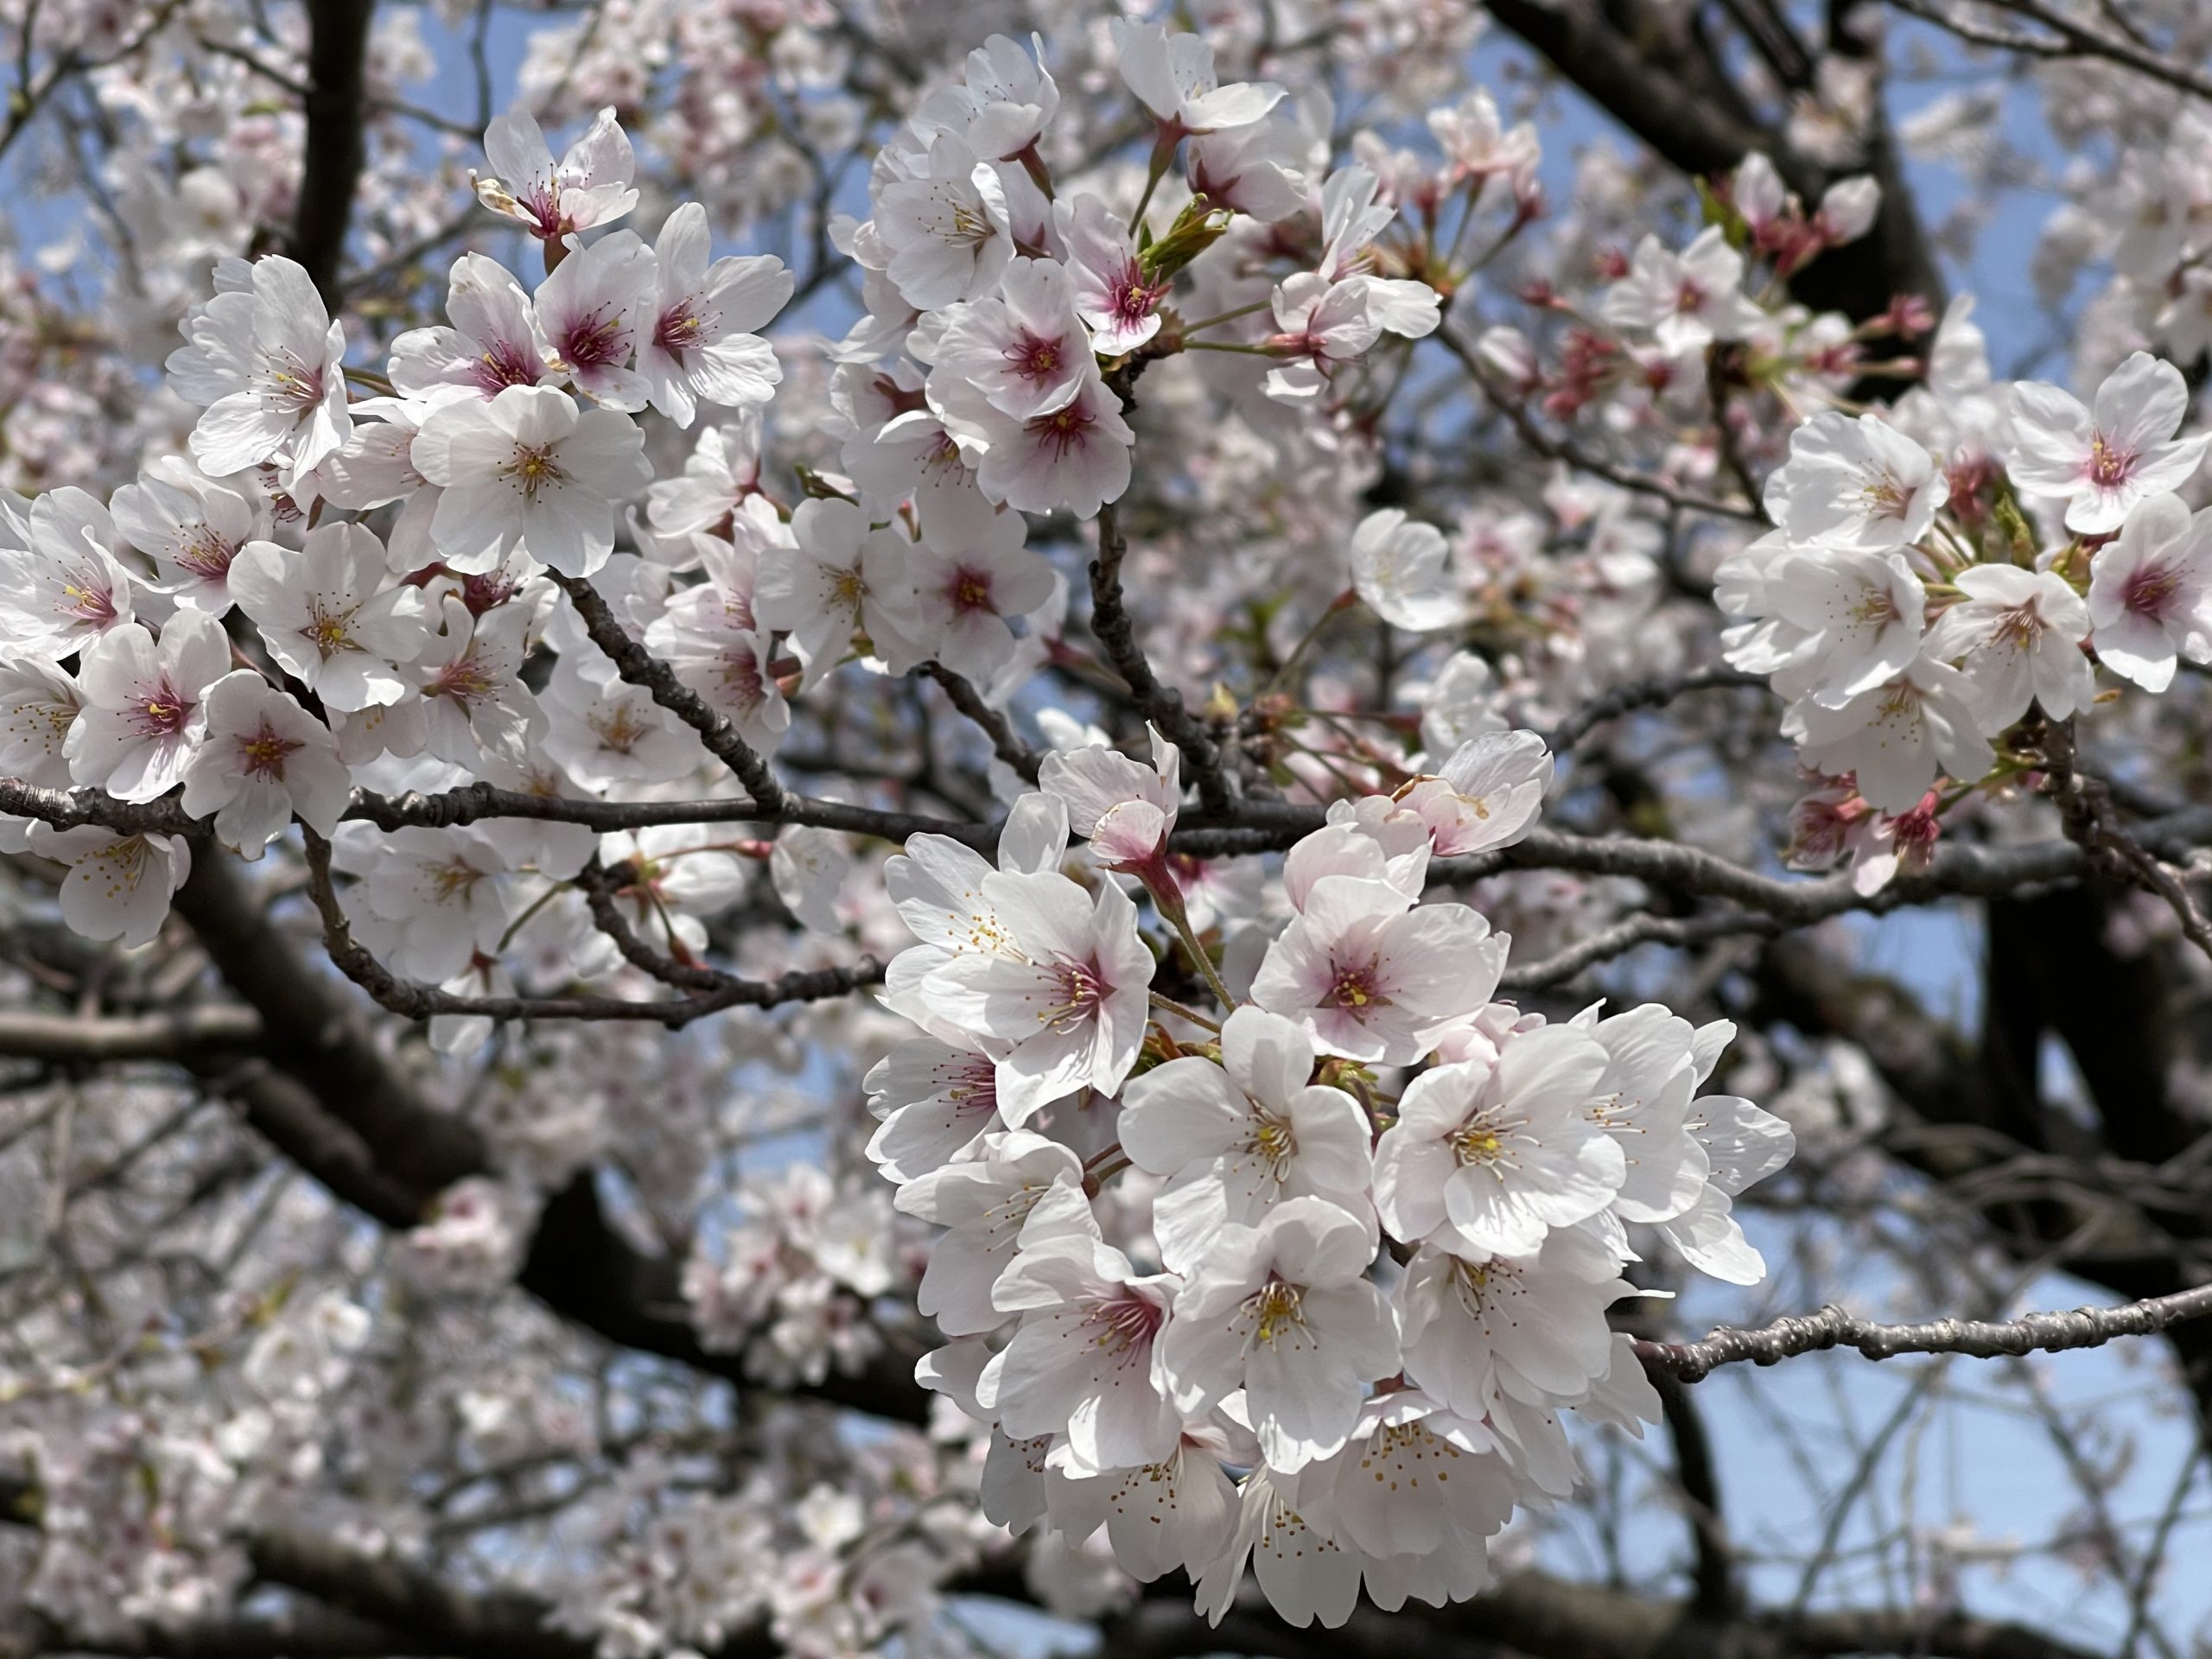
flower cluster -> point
(1206, 1278)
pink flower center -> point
(1063, 429)
(679, 328)
(2108, 467)
(506, 363)
(1081, 993)
(1357, 989)
(2150, 589)
(1032, 359)
(1123, 1324)
(263, 754)
(594, 340)
(163, 711)
(1688, 296)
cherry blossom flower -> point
(60, 584)
(1022, 347)
(1374, 978)
(1124, 808)
(430, 900)
(1081, 1363)
(1493, 1157)
(936, 1102)
(1067, 998)
(38, 705)
(593, 311)
(1487, 795)
(118, 887)
(264, 759)
(1237, 1139)
(1472, 1332)
(264, 360)
(494, 341)
(1076, 456)
(192, 527)
(1284, 1311)
(1003, 102)
(589, 187)
(528, 469)
(841, 579)
(1896, 736)
(703, 342)
(143, 714)
(1401, 569)
(472, 702)
(807, 868)
(1859, 484)
(971, 574)
(1115, 300)
(1024, 1191)
(331, 615)
(1173, 76)
(2150, 594)
(2018, 636)
(946, 227)
(1858, 619)
(1686, 300)
(2104, 462)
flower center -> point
(1034, 359)
(2150, 589)
(1081, 993)
(2108, 467)
(163, 711)
(505, 365)
(1276, 1310)
(1357, 988)
(1063, 429)
(594, 340)
(263, 754)
(325, 631)
(205, 555)
(1125, 1324)
(679, 328)
(534, 470)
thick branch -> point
(337, 49)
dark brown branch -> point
(338, 46)
(1162, 704)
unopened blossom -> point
(1022, 346)
(144, 715)
(2017, 636)
(1173, 75)
(701, 339)
(118, 887)
(1081, 1363)
(1068, 997)
(493, 339)
(1375, 977)
(972, 574)
(265, 758)
(1686, 300)
(1022, 1191)
(841, 579)
(2103, 461)
(62, 586)
(2150, 594)
(1897, 736)
(331, 616)
(946, 228)
(1237, 1139)
(1492, 1157)
(192, 527)
(1284, 1310)
(1486, 795)
(1402, 571)
(529, 469)
(1858, 484)
(589, 186)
